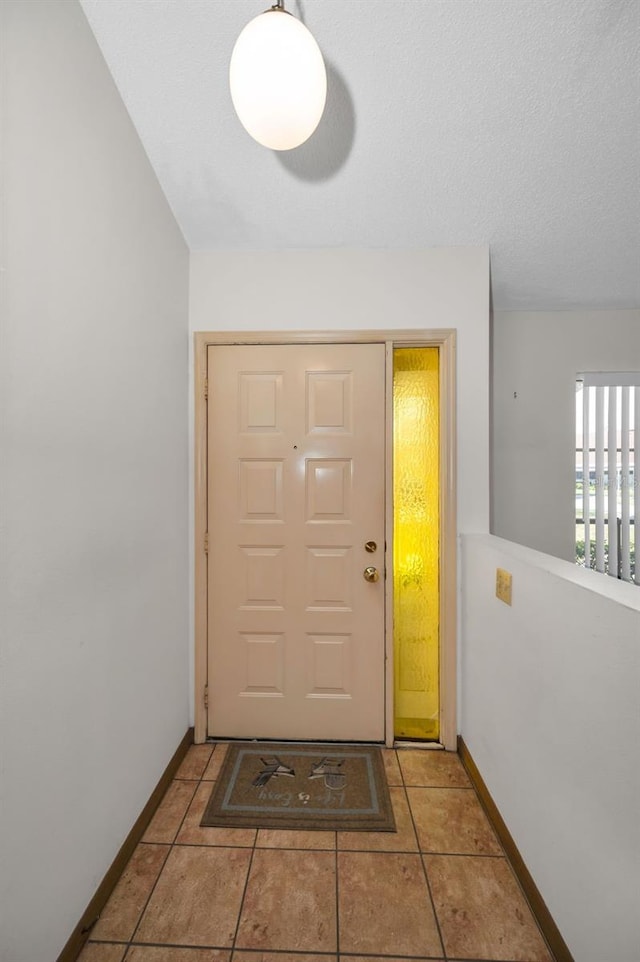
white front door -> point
(296, 467)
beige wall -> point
(93, 394)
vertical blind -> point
(607, 449)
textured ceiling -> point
(512, 123)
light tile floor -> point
(440, 888)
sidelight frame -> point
(445, 341)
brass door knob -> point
(371, 574)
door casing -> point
(445, 340)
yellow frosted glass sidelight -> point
(416, 531)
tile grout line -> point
(164, 863)
(421, 856)
(416, 851)
(337, 901)
(445, 788)
(186, 811)
(148, 899)
(232, 949)
(304, 955)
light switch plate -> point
(503, 585)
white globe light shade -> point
(278, 80)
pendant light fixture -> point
(278, 79)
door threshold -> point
(423, 746)
(236, 740)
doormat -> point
(308, 787)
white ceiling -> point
(512, 123)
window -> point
(606, 486)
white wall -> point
(319, 290)
(550, 715)
(93, 394)
(536, 356)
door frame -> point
(445, 340)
